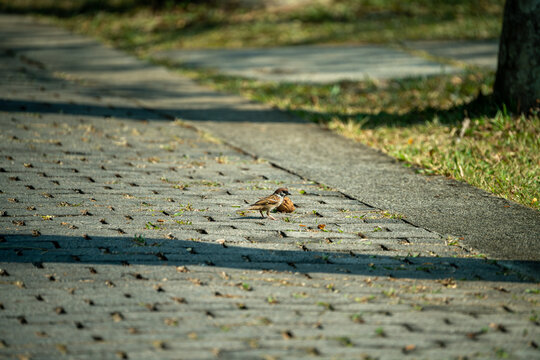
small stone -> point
(287, 334)
(151, 307)
(62, 349)
(117, 316)
(498, 327)
(121, 355)
(60, 310)
(170, 322)
(160, 345)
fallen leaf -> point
(409, 348)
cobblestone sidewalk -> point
(123, 236)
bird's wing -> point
(269, 200)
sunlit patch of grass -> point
(500, 154)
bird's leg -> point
(270, 216)
(262, 215)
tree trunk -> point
(517, 84)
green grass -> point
(441, 125)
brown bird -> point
(269, 203)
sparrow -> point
(269, 203)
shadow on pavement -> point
(218, 114)
(159, 251)
(479, 107)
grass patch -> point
(435, 123)
(139, 26)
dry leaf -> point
(409, 348)
(286, 206)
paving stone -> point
(120, 259)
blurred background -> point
(152, 24)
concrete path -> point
(121, 236)
(478, 53)
(323, 64)
(311, 64)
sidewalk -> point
(121, 238)
(323, 64)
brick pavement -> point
(123, 237)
